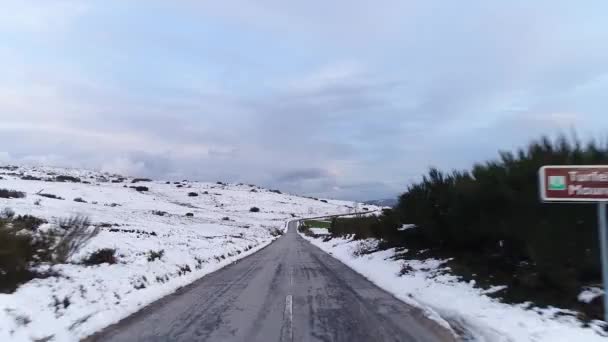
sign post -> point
(581, 183)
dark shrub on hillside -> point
(253, 190)
(179, 186)
(167, 182)
(28, 177)
(159, 212)
(220, 183)
(189, 214)
(79, 200)
(192, 194)
(140, 188)
(101, 256)
(27, 222)
(276, 191)
(154, 255)
(74, 233)
(324, 201)
(226, 218)
(20, 252)
(254, 210)
(137, 180)
(50, 196)
(67, 179)
(5, 193)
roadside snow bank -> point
(469, 311)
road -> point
(288, 291)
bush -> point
(20, 251)
(189, 214)
(140, 188)
(79, 200)
(155, 255)
(491, 223)
(159, 212)
(5, 193)
(192, 194)
(254, 209)
(50, 196)
(101, 256)
(67, 179)
(226, 218)
(74, 233)
(28, 177)
(137, 180)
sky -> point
(343, 99)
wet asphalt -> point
(288, 291)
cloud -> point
(337, 99)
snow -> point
(319, 231)
(98, 296)
(590, 293)
(468, 310)
(406, 227)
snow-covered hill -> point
(199, 227)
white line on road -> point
(289, 316)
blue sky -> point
(346, 99)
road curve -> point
(288, 291)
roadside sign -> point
(573, 183)
(581, 183)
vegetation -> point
(491, 221)
(23, 246)
(101, 256)
(254, 209)
(154, 255)
(5, 193)
(317, 224)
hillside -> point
(165, 234)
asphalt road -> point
(288, 291)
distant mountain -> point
(389, 202)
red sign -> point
(574, 183)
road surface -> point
(288, 291)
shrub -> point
(226, 218)
(324, 201)
(137, 180)
(254, 209)
(189, 214)
(19, 251)
(276, 232)
(74, 233)
(50, 196)
(67, 179)
(140, 188)
(155, 255)
(7, 213)
(5, 193)
(192, 194)
(159, 212)
(28, 177)
(101, 256)
(79, 200)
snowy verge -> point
(469, 310)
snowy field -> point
(467, 309)
(82, 299)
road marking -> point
(289, 316)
